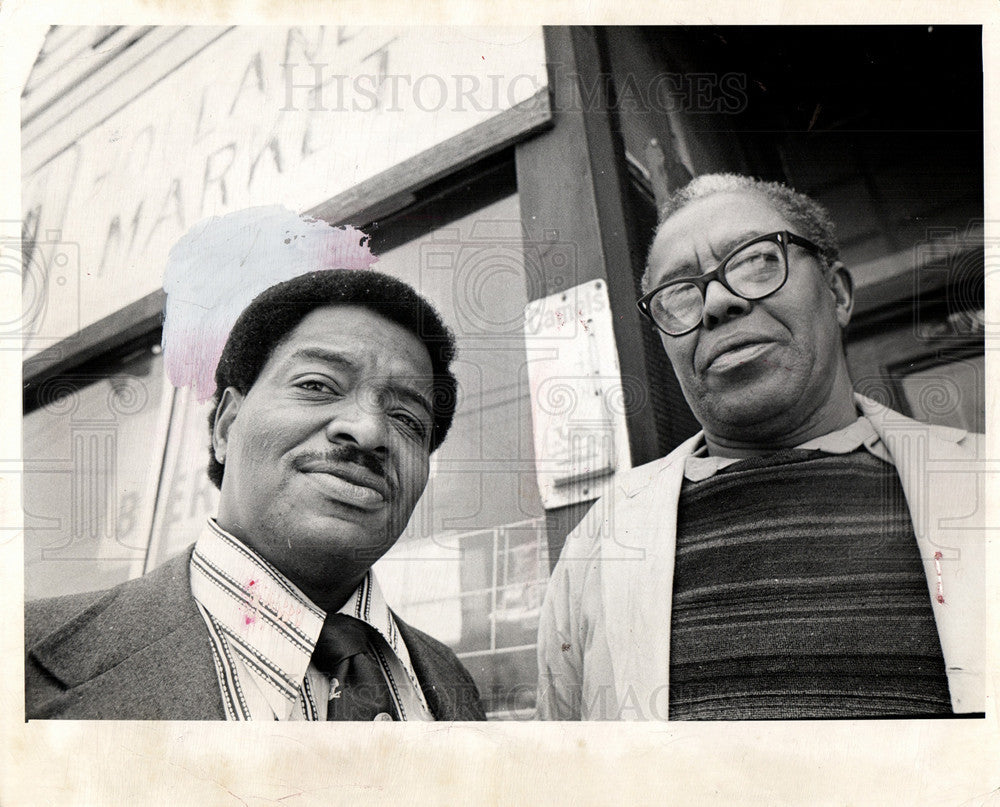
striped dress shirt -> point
(264, 629)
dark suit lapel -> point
(449, 689)
(140, 652)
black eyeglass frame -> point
(782, 237)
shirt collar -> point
(272, 622)
(700, 465)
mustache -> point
(348, 454)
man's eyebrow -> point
(729, 245)
(326, 356)
(691, 269)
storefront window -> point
(481, 595)
(92, 453)
(187, 495)
(471, 568)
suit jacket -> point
(141, 651)
(604, 635)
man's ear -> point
(843, 292)
(225, 414)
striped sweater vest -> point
(799, 593)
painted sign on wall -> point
(259, 116)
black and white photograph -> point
(563, 384)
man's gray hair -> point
(808, 217)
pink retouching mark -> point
(250, 605)
(775, 364)
(940, 582)
(249, 251)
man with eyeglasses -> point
(798, 558)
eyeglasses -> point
(753, 270)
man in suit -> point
(810, 553)
(332, 391)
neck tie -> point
(358, 689)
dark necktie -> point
(358, 689)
